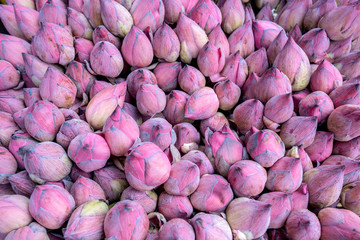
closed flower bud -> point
(83, 49)
(349, 197)
(102, 34)
(187, 137)
(242, 40)
(22, 184)
(228, 94)
(202, 104)
(84, 190)
(233, 14)
(293, 13)
(148, 13)
(33, 231)
(215, 123)
(177, 227)
(167, 75)
(346, 94)
(172, 206)
(349, 149)
(7, 128)
(7, 17)
(174, 111)
(211, 60)
(92, 11)
(322, 146)
(317, 11)
(147, 199)
(27, 20)
(19, 143)
(76, 4)
(265, 33)
(316, 104)
(173, 8)
(339, 48)
(207, 14)
(219, 39)
(14, 49)
(303, 224)
(191, 79)
(53, 12)
(80, 26)
(265, 13)
(276, 46)
(158, 131)
(150, 99)
(352, 167)
(166, 44)
(201, 160)
(70, 129)
(9, 77)
(210, 225)
(300, 198)
(348, 65)
(257, 62)
(315, 43)
(31, 95)
(325, 78)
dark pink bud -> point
(201, 160)
(76, 173)
(215, 123)
(325, 78)
(242, 39)
(19, 117)
(173, 8)
(14, 49)
(139, 77)
(349, 149)
(257, 62)
(31, 95)
(9, 165)
(85, 189)
(348, 65)
(27, 20)
(22, 184)
(346, 94)
(83, 49)
(150, 99)
(148, 13)
(172, 206)
(191, 79)
(177, 227)
(147, 199)
(251, 108)
(33, 230)
(265, 33)
(213, 194)
(167, 75)
(352, 167)
(207, 14)
(11, 101)
(298, 96)
(247, 178)
(300, 198)
(339, 48)
(9, 77)
(53, 12)
(322, 146)
(315, 43)
(211, 60)
(317, 104)
(80, 26)
(19, 143)
(265, 13)
(202, 104)
(166, 44)
(92, 11)
(102, 34)
(218, 38)
(303, 224)
(317, 11)
(81, 77)
(158, 131)
(70, 129)
(276, 46)
(174, 111)
(187, 137)
(293, 13)
(7, 17)
(349, 199)
(211, 225)
(233, 14)
(228, 94)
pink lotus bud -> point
(102, 34)
(346, 94)
(207, 14)
(315, 43)
(15, 214)
(27, 20)
(158, 131)
(299, 152)
(265, 13)
(58, 88)
(87, 221)
(103, 104)
(7, 17)
(166, 44)
(173, 8)
(228, 94)
(241, 214)
(202, 104)
(265, 32)
(112, 181)
(339, 48)
(316, 104)
(281, 206)
(80, 26)
(348, 65)
(295, 33)
(317, 11)
(339, 223)
(139, 77)
(22, 184)
(339, 22)
(106, 59)
(76, 173)
(298, 96)
(276, 46)
(84, 190)
(19, 117)
(258, 62)
(89, 151)
(150, 99)
(242, 40)
(187, 137)
(47, 161)
(192, 38)
(20, 142)
(303, 224)
(76, 5)
(92, 10)
(38, 123)
(247, 178)
(265, 146)
(33, 231)
(175, 106)
(210, 225)
(324, 185)
(136, 48)
(251, 108)
(121, 131)
(13, 50)
(70, 129)
(146, 178)
(177, 227)
(9, 165)
(191, 79)
(325, 78)
(81, 77)
(300, 198)
(172, 206)
(293, 13)
(342, 122)
(349, 199)
(233, 15)
(285, 175)
(349, 149)
(167, 75)
(51, 216)
(126, 220)
(201, 160)
(352, 167)
(11, 101)
(299, 131)
(31, 95)
(9, 77)
(148, 13)
(52, 12)
(298, 72)
(213, 194)
(133, 112)
(211, 60)
(322, 146)
(83, 49)
(215, 123)
(147, 199)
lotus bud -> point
(211, 60)
(233, 15)
(98, 86)
(173, 8)
(80, 26)
(81, 77)
(299, 72)
(213, 194)
(31, 95)
(207, 14)
(147, 199)
(325, 78)
(58, 88)
(228, 94)
(133, 112)
(177, 227)
(240, 214)
(76, 5)
(19, 143)
(265, 13)
(19, 117)
(139, 77)
(187, 137)
(317, 104)
(341, 122)
(339, 48)
(40, 161)
(215, 123)
(303, 224)
(9, 77)
(92, 11)
(293, 13)
(147, 106)
(299, 131)
(190, 42)
(315, 43)
(211, 225)
(15, 47)
(166, 44)
(300, 198)
(172, 206)
(348, 65)
(11, 101)
(265, 32)
(349, 197)
(84, 190)
(22, 184)
(247, 178)
(278, 110)
(167, 75)
(27, 20)
(352, 167)
(265, 146)
(201, 160)
(76, 173)
(7, 17)
(349, 149)
(298, 96)
(339, 223)
(83, 49)
(174, 111)
(53, 13)
(197, 110)
(295, 33)
(137, 49)
(112, 181)
(322, 146)
(324, 185)
(242, 40)
(126, 220)
(299, 152)
(191, 79)
(151, 155)
(51, 216)
(9, 165)
(316, 12)
(158, 131)
(70, 129)
(33, 231)
(346, 94)
(15, 214)
(276, 46)
(148, 13)
(103, 104)
(258, 62)
(102, 34)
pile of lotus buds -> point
(180, 119)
